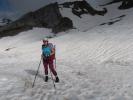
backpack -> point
(47, 50)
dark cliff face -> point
(126, 4)
(83, 7)
(48, 17)
(64, 24)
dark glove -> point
(45, 56)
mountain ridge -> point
(49, 17)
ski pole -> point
(36, 73)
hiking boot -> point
(56, 79)
(46, 79)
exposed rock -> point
(12, 30)
(64, 24)
(48, 16)
(82, 7)
(126, 4)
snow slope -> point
(92, 65)
(88, 21)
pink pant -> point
(49, 62)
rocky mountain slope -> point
(65, 15)
(50, 17)
(92, 65)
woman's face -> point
(45, 42)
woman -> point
(48, 55)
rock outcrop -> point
(83, 7)
(126, 4)
(64, 24)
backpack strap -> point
(53, 50)
(51, 45)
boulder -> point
(64, 24)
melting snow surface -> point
(92, 65)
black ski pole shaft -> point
(36, 73)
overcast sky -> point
(19, 7)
